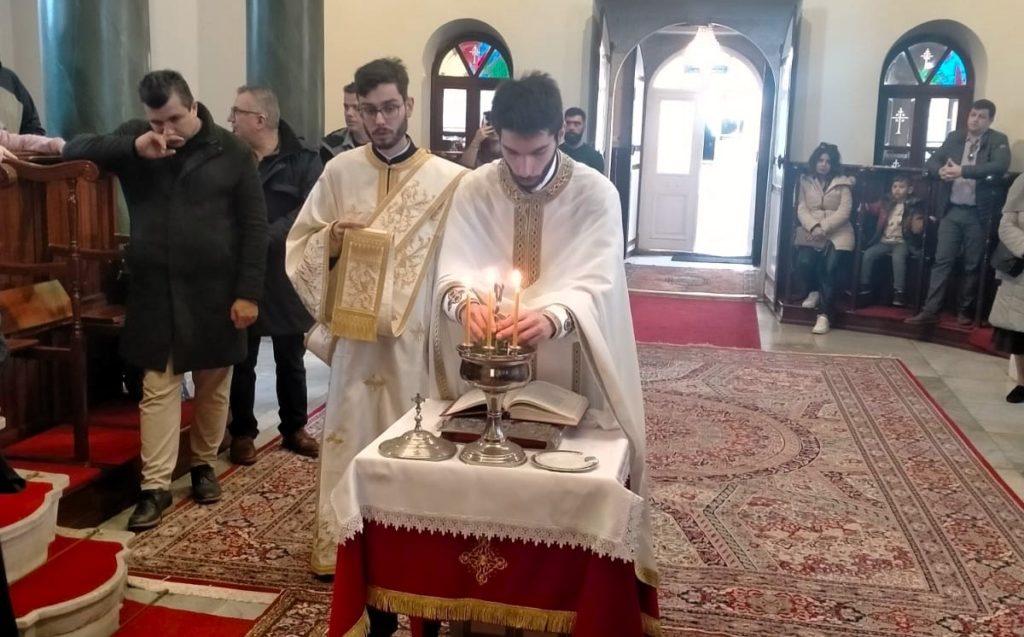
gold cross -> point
(483, 561)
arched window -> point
(925, 92)
(464, 77)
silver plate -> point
(565, 461)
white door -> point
(776, 176)
(672, 151)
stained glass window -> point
(900, 72)
(474, 58)
(952, 71)
(925, 56)
(452, 65)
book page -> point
(469, 400)
(551, 398)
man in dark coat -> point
(197, 255)
(574, 146)
(288, 172)
(967, 160)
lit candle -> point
(492, 278)
(517, 284)
(467, 338)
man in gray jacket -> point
(966, 160)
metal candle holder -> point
(418, 443)
(495, 371)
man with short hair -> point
(288, 171)
(197, 254)
(966, 160)
(372, 222)
(559, 224)
(352, 135)
(574, 146)
(18, 112)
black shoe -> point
(205, 488)
(899, 298)
(150, 509)
(922, 318)
(963, 319)
(1016, 395)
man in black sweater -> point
(574, 146)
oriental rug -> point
(793, 494)
(687, 280)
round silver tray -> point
(544, 460)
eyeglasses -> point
(235, 111)
(389, 110)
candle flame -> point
(517, 279)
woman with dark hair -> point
(824, 239)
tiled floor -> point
(970, 387)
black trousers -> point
(822, 272)
(291, 386)
(8, 623)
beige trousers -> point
(161, 420)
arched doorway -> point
(702, 132)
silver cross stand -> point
(418, 443)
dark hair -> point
(528, 105)
(905, 179)
(156, 87)
(383, 71)
(832, 151)
(350, 88)
(575, 111)
(987, 105)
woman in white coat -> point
(1007, 314)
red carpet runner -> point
(689, 321)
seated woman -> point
(825, 237)
(899, 231)
(11, 143)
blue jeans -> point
(899, 252)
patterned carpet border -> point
(693, 281)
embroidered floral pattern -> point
(483, 561)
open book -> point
(538, 401)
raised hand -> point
(154, 145)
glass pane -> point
(942, 113)
(925, 56)
(452, 65)
(900, 118)
(675, 136)
(677, 73)
(486, 99)
(475, 53)
(952, 72)
(453, 110)
(900, 73)
(895, 158)
(496, 67)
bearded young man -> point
(558, 223)
(197, 253)
(574, 145)
(372, 222)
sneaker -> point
(301, 443)
(150, 509)
(243, 450)
(821, 326)
(205, 488)
(922, 318)
(899, 298)
(811, 301)
(1016, 395)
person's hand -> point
(817, 232)
(533, 328)
(154, 145)
(6, 154)
(244, 313)
(338, 229)
(477, 319)
(950, 171)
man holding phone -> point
(484, 148)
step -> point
(108, 446)
(78, 591)
(28, 520)
(138, 620)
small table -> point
(519, 547)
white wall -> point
(547, 35)
(843, 45)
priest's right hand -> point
(154, 145)
(477, 318)
(338, 229)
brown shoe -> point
(301, 443)
(243, 450)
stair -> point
(63, 582)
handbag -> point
(804, 239)
(1005, 261)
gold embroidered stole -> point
(382, 267)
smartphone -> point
(487, 118)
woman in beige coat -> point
(825, 237)
(1007, 314)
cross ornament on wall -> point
(927, 57)
(899, 118)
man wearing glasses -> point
(353, 135)
(361, 256)
(966, 160)
(287, 171)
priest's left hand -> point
(533, 328)
(244, 313)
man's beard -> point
(573, 138)
(392, 140)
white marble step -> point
(25, 540)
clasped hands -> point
(244, 313)
(950, 171)
(533, 326)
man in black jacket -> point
(966, 160)
(197, 254)
(18, 112)
(288, 172)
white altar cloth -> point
(593, 510)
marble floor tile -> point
(1014, 480)
(956, 363)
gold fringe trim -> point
(461, 610)
(361, 629)
(652, 626)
